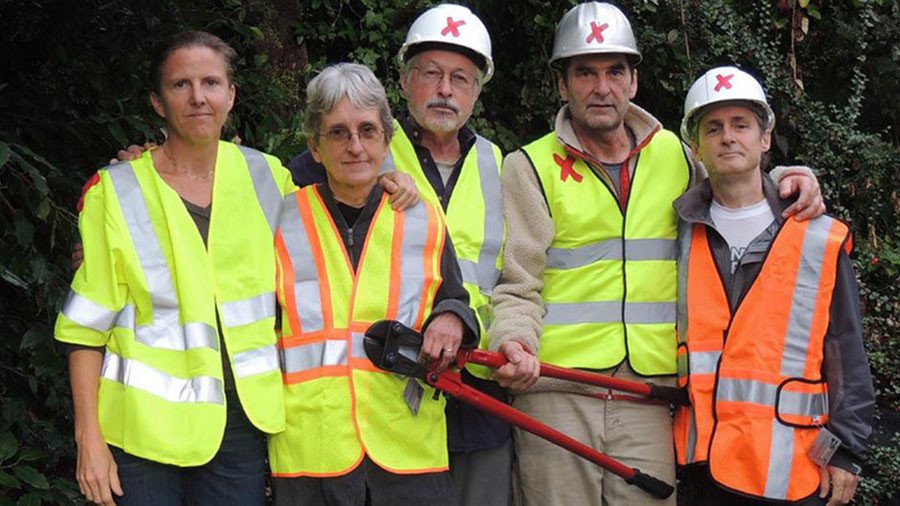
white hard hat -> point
(591, 28)
(454, 25)
(723, 84)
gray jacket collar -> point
(693, 206)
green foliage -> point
(73, 90)
(879, 485)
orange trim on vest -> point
(431, 243)
(305, 474)
(396, 262)
(288, 299)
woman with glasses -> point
(346, 260)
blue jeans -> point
(236, 475)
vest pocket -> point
(803, 403)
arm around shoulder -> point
(97, 292)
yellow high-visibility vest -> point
(340, 406)
(610, 280)
(149, 291)
(474, 220)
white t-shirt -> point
(740, 226)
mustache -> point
(447, 103)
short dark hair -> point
(189, 38)
(561, 66)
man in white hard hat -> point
(784, 411)
(589, 275)
(444, 62)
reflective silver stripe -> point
(684, 250)
(611, 249)
(803, 404)
(166, 331)
(692, 437)
(247, 311)
(257, 361)
(135, 374)
(88, 313)
(756, 392)
(310, 356)
(562, 313)
(125, 318)
(739, 390)
(357, 349)
(169, 335)
(267, 191)
(803, 303)
(781, 457)
(306, 276)
(412, 267)
(703, 362)
(571, 258)
(489, 174)
(469, 271)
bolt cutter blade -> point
(394, 347)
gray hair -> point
(352, 81)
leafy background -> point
(73, 90)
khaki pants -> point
(637, 434)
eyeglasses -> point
(434, 76)
(367, 133)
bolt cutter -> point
(394, 347)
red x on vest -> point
(452, 27)
(723, 82)
(565, 168)
(596, 32)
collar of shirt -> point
(466, 142)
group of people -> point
(199, 337)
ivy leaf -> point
(43, 209)
(33, 338)
(4, 153)
(32, 477)
(32, 454)
(672, 36)
(8, 445)
(257, 33)
(29, 500)
(118, 133)
(40, 182)
(9, 481)
(24, 231)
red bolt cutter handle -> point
(495, 359)
(450, 382)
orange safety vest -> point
(754, 377)
(339, 406)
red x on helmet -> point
(591, 28)
(453, 25)
(723, 84)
